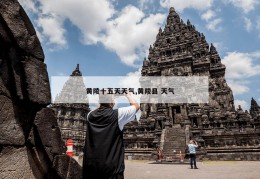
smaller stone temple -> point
(71, 116)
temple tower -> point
(72, 116)
(180, 50)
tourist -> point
(104, 147)
(192, 151)
(159, 154)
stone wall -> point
(30, 139)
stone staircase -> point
(174, 142)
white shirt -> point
(192, 148)
(125, 115)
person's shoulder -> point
(115, 110)
(127, 109)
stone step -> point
(174, 140)
(173, 147)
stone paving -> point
(207, 170)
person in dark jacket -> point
(104, 147)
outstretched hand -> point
(130, 97)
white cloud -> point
(128, 32)
(52, 29)
(209, 14)
(245, 5)
(88, 15)
(212, 21)
(136, 73)
(255, 54)
(259, 99)
(244, 105)
(181, 5)
(238, 87)
(217, 45)
(132, 79)
(201, 5)
(131, 33)
(144, 4)
(39, 35)
(28, 5)
(220, 47)
(214, 25)
(248, 24)
(240, 65)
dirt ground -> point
(207, 170)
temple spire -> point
(173, 17)
(76, 72)
(212, 49)
(172, 9)
(188, 22)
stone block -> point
(37, 80)
(67, 167)
(17, 163)
(11, 132)
(49, 133)
(21, 28)
(4, 78)
(16, 72)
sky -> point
(112, 37)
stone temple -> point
(71, 117)
(222, 132)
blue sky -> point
(112, 37)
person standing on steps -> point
(192, 151)
(104, 147)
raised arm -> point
(195, 143)
(127, 114)
(132, 101)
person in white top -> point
(192, 150)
